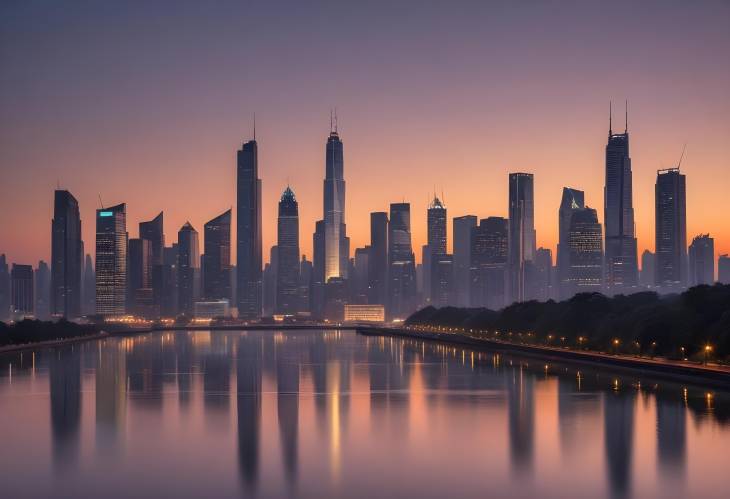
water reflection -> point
(332, 413)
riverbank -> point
(679, 371)
(53, 343)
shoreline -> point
(713, 375)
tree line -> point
(693, 324)
(33, 331)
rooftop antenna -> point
(610, 117)
(684, 148)
(335, 119)
(101, 202)
(626, 130)
(331, 122)
(254, 126)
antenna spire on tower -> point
(335, 119)
(684, 148)
(610, 117)
(331, 122)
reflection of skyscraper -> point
(111, 396)
(618, 425)
(66, 255)
(287, 273)
(111, 260)
(520, 400)
(248, 234)
(671, 229)
(287, 386)
(573, 199)
(64, 373)
(336, 247)
(248, 398)
(671, 428)
(621, 265)
(217, 258)
(521, 234)
(462, 258)
(188, 261)
(401, 262)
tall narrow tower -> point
(66, 256)
(621, 258)
(248, 234)
(521, 234)
(336, 247)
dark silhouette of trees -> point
(674, 326)
(33, 331)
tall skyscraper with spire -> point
(337, 245)
(671, 230)
(248, 234)
(111, 260)
(287, 273)
(621, 258)
(66, 256)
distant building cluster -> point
(494, 262)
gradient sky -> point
(147, 102)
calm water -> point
(334, 414)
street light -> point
(708, 351)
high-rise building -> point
(305, 285)
(436, 217)
(521, 234)
(111, 260)
(188, 268)
(139, 278)
(287, 273)
(153, 231)
(723, 269)
(378, 258)
(88, 292)
(21, 285)
(462, 258)
(671, 230)
(66, 256)
(336, 247)
(620, 240)
(316, 297)
(585, 257)
(248, 234)
(647, 276)
(217, 258)
(702, 260)
(572, 200)
(442, 280)
(542, 274)
(4, 289)
(360, 276)
(269, 284)
(401, 263)
(489, 258)
(42, 290)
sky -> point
(147, 102)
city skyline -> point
(485, 125)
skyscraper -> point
(316, 297)
(572, 200)
(671, 230)
(336, 248)
(305, 285)
(287, 273)
(521, 234)
(4, 289)
(702, 260)
(217, 258)
(542, 274)
(139, 278)
(585, 257)
(111, 260)
(88, 295)
(378, 258)
(462, 258)
(42, 288)
(188, 262)
(66, 256)
(360, 276)
(153, 231)
(436, 248)
(723, 269)
(647, 276)
(621, 257)
(442, 280)
(401, 263)
(21, 284)
(248, 256)
(489, 258)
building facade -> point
(671, 230)
(573, 199)
(22, 291)
(217, 258)
(489, 276)
(66, 256)
(462, 230)
(287, 273)
(401, 263)
(702, 260)
(585, 258)
(248, 233)
(521, 234)
(188, 268)
(111, 260)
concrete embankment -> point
(678, 371)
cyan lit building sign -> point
(106, 213)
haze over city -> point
(147, 105)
